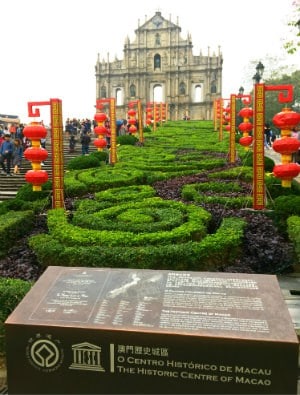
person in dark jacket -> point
(6, 151)
(85, 143)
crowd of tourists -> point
(82, 131)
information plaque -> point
(127, 331)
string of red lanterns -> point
(100, 130)
(35, 131)
(286, 120)
(246, 127)
(132, 120)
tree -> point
(272, 105)
(293, 45)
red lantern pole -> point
(232, 153)
(258, 148)
(57, 150)
(258, 143)
(112, 114)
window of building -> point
(157, 39)
(182, 88)
(132, 90)
(157, 61)
(213, 87)
(103, 92)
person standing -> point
(85, 143)
(6, 151)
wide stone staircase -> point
(9, 186)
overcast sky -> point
(49, 48)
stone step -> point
(9, 186)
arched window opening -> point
(157, 61)
(157, 93)
(119, 97)
(198, 93)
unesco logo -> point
(44, 353)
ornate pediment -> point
(157, 22)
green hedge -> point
(293, 228)
(14, 225)
(11, 293)
(219, 249)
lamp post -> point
(240, 105)
(241, 91)
(259, 73)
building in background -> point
(159, 66)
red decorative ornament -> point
(36, 178)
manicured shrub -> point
(95, 159)
(127, 139)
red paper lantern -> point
(35, 131)
(286, 146)
(100, 143)
(245, 127)
(100, 130)
(286, 119)
(36, 154)
(132, 129)
(100, 117)
(246, 141)
(286, 172)
(131, 112)
(246, 112)
(36, 178)
(132, 121)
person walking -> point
(6, 151)
(17, 155)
